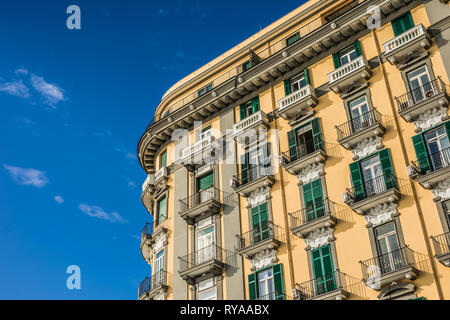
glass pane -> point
(384, 229)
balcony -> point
(387, 268)
(368, 126)
(274, 296)
(300, 100)
(267, 236)
(330, 287)
(208, 260)
(146, 236)
(422, 100)
(153, 184)
(382, 189)
(431, 170)
(199, 153)
(412, 41)
(154, 288)
(442, 248)
(303, 156)
(256, 177)
(202, 204)
(247, 130)
(345, 77)
(310, 219)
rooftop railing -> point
(322, 285)
(420, 94)
(312, 213)
(358, 124)
(265, 231)
(387, 263)
(212, 252)
(199, 198)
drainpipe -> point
(405, 157)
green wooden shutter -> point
(319, 205)
(293, 39)
(245, 166)
(252, 286)
(357, 48)
(447, 128)
(293, 148)
(388, 170)
(323, 269)
(260, 223)
(308, 199)
(163, 160)
(306, 75)
(242, 111)
(278, 281)
(255, 104)
(402, 24)
(336, 60)
(287, 87)
(317, 134)
(421, 153)
(357, 180)
(206, 182)
(162, 210)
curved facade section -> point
(264, 166)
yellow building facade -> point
(311, 161)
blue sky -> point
(73, 105)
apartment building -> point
(311, 161)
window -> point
(323, 269)
(420, 85)
(249, 108)
(248, 65)
(205, 239)
(204, 90)
(256, 163)
(432, 148)
(305, 140)
(359, 113)
(159, 268)
(205, 187)
(347, 55)
(207, 290)
(313, 200)
(266, 284)
(446, 206)
(205, 133)
(260, 223)
(296, 83)
(388, 247)
(161, 214)
(292, 39)
(163, 160)
(372, 175)
(402, 24)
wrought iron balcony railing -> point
(316, 287)
(310, 146)
(199, 198)
(146, 232)
(441, 244)
(265, 231)
(194, 259)
(372, 187)
(254, 172)
(386, 263)
(420, 94)
(404, 38)
(356, 125)
(432, 162)
(312, 213)
(159, 279)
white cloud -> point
(27, 176)
(21, 71)
(15, 88)
(99, 213)
(59, 199)
(52, 94)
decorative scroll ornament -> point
(319, 237)
(367, 147)
(263, 259)
(160, 241)
(258, 197)
(381, 213)
(310, 173)
(431, 118)
(442, 190)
